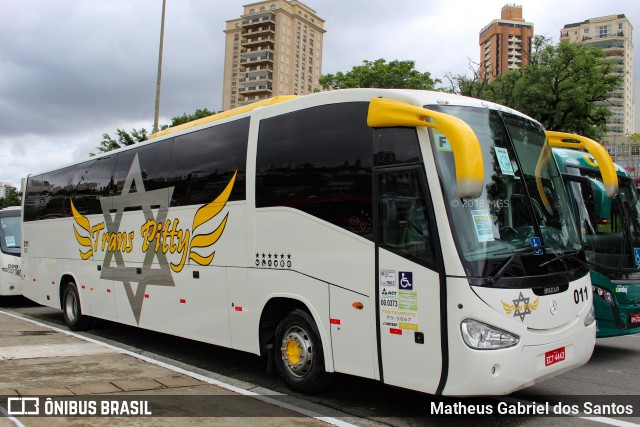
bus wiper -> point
(571, 255)
(516, 255)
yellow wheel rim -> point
(297, 351)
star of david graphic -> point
(145, 275)
(522, 307)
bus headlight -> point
(591, 316)
(604, 294)
(480, 336)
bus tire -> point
(299, 357)
(73, 317)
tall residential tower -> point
(613, 34)
(505, 43)
(274, 48)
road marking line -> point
(610, 421)
(14, 420)
(235, 389)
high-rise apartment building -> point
(4, 189)
(274, 48)
(505, 43)
(613, 34)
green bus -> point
(610, 230)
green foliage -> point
(11, 199)
(564, 87)
(124, 138)
(380, 74)
(185, 118)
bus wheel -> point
(73, 317)
(300, 359)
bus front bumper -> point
(500, 372)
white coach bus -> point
(417, 238)
(10, 241)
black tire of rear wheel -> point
(73, 317)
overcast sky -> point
(71, 70)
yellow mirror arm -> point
(467, 152)
(599, 153)
(543, 159)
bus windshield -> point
(10, 235)
(520, 226)
(611, 243)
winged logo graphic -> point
(521, 306)
(203, 215)
(157, 238)
(84, 240)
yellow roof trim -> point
(223, 115)
(605, 164)
(465, 145)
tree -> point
(125, 138)
(564, 87)
(380, 74)
(11, 199)
(185, 118)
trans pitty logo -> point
(157, 236)
(521, 307)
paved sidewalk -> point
(38, 361)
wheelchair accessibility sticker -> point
(405, 279)
(537, 246)
(636, 256)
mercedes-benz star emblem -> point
(553, 307)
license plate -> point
(635, 318)
(554, 356)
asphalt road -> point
(612, 375)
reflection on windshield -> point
(523, 205)
(610, 236)
(10, 235)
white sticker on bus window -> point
(10, 240)
(441, 141)
(482, 225)
(502, 155)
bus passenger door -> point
(408, 284)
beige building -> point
(505, 43)
(613, 34)
(274, 48)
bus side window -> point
(32, 199)
(155, 161)
(93, 180)
(203, 162)
(59, 187)
(319, 161)
(395, 146)
(403, 216)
